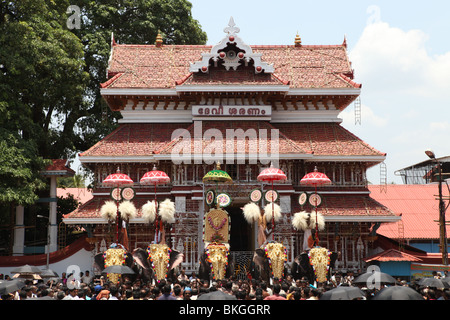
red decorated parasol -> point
(272, 174)
(117, 180)
(155, 177)
(316, 178)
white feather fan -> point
(300, 221)
(108, 211)
(167, 211)
(252, 212)
(127, 210)
(268, 212)
(320, 221)
(149, 211)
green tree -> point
(131, 22)
(41, 75)
(77, 181)
(50, 77)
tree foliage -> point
(50, 77)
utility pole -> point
(442, 222)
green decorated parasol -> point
(217, 176)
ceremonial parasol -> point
(217, 175)
(155, 177)
(272, 174)
(316, 178)
(117, 180)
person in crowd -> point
(276, 293)
(166, 293)
(86, 278)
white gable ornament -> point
(231, 59)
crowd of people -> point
(87, 287)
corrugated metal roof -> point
(418, 206)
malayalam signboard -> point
(422, 270)
(247, 111)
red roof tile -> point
(356, 205)
(58, 166)
(148, 66)
(392, 255)
(332, 205)
(416, 204)
(303, 138)
(327, 139)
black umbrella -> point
(27, 269)
(343, 293)
(397, 293)
(118, 269)
(216, 295)
(433, 283)
(375, 276)
(49, 273)
(11, 286)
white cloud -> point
(408, 91)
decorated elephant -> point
(315, 264)
(158, 261)
(269, 262)
(215, 262)
(115, 255)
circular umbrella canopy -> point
(272, 174)
(315, 178)
(118, 269)
(48, 273)
(216, 295)
(155, 177)
(433, 283)
(397, 293)
(375, 276)
(27, 269)
(117, 179)
(217, 175)
(11, 286)
(343, 293)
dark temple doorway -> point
(241, 234)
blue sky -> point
(400, 51)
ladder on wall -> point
(357, 105)
(383, 177)
(401, 235)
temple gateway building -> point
(187, 107)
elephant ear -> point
(99, 261)
(141, 257)
(304, 261)
(333, 257)
(176, 258)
